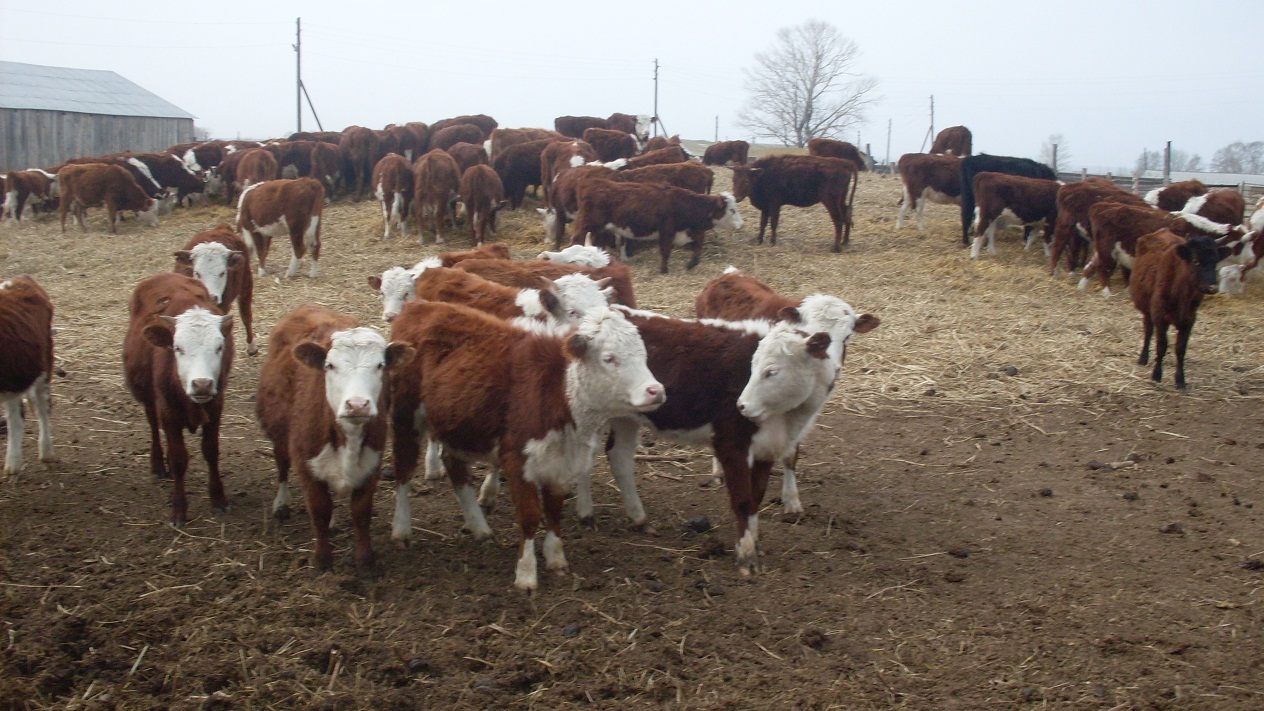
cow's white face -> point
(789, 367)
(643, 124)
(163, 206)
(354, 366)
(214, 183)
(398, 286)
(610, 368)
(732, 219)
(210, 262)
(550, 221)
(198, 338)
(577, 295)
(149, 217)
(582, 255)
(832, 315)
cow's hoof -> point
(223, 510)
(252, 349)
(281, 513)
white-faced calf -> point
(221, 261)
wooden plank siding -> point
(32, 138)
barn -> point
(51, 114)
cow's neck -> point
(584, 398)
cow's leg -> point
(1160, 350)
(624, 437)
(157, 462)
(526, 501)
(665, 243)
(789, 484)
(41, 396)
(490, 489)
(554, 556)
(921, 212)
(737, 480)
(1148, 325)
(178, 464)
(406, 427)
(459, 475)
(434, 459)
(210, 452)
(763, 224)
(982, 228)
(773, 220)
(111, 213)
(297, 250)
(1182, 340)
(388, 218)
(836, 216)
(846, 212)
(320, 509)
(281, 502)
(904, 207)
(62, 209)
(311, 238)
(1105, 268)
(361, 518)
(17, 427)
(245, 306)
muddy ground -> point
(1067, 535)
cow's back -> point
(26, 321)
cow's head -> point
(1202, 254)
(398, 286)
(577, 295)
(354, 364)
(148, 214)
(729, 220)
(214, 183)
(832, 315)
(210, 262)
(549, 217)
(199, 339)
(166, 203)
(790, 368)
(609, 373)
(743, 180)
(584, 255)
(643, 124)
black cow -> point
(1008, 165)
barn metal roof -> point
(86, 91)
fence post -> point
(1055, 158)
(1136, 182)
(1167, 164)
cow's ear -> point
(399, 354)
(235, 258)
(159, 335)
(184, 257)
(375, 282)
(866, 323)
(311, 354)
(577, 346)
(552, 304)
(790, 314)
(818, 345)
(604, 282)
(1184, 252)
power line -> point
(184, 23)
(433, 70)
(141, 46)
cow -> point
(445, 138)
(323, 400)
(1172, 197)
(660, 142)
(801, 181)
(1072, 230)
(563, 155)
(1245, 257)
(26, 330)
(21, 185)
(171, 173)
(1170, 276)
(436, 182)
(467, 155)
(294, 158)
(528, 274)
(662, 156)
(638, 125)
(1226, 207)
(96, 184)
(652, 211)
(831, 148)
(486, 389)
(278, 208)
(610, 144)
(483, 195)
(393, 188)
(333, 138)
(360, 148)
(563, 201)
(140, 174)
(485, 124)
(176, 359)
(519, 168)
(255, 165)
(579, 254)
(203, 156)
(326, 165)
(954, 140)
(1115, 229)
(1030, 200)
(975, 164)
(220, 259)
(927, 178)
(495, 250)
(574, 126)
(503, 138)
(726, 152)
(421, 133)
(735, 296)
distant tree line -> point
(1237, 157)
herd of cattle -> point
(522, 364)
(525, 364)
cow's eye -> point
(329, 366)
(610, 359)
(179, 350)
(771, 372)
(197, 275)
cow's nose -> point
(389, 317)
(655, 392)
(358, 407)
(741, 407)
(202, 386)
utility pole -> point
(888, 160)
(1167, 164)
(717, 129)
(298, 73)
(1055, 158)
(656, 96)
(930, 132)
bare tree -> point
(1181, 161)
(1239, 157)
(1046, 151)
(805, 87)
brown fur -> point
(1173, 197)
(256, 165)
(445, 138)
(1074, 201)
(326, 165)
(1164, 288)
(150, 372)
(495, 250)
(831, 148)
(519, 168)
(1225, 206)
(503, 138)
(610, 144)
(96, 184)
(468, 155)
(1116, 224)
(1031, 199)
(360, 151)
(527, 274)
(574, 126)
(801, 181)
(27, 183)
(484, 196)
(436, 180)
(297, 200)
(660, 142)
(726, 152)
(662, 156)
(485, 124)
(563, 198)
(26, 330)
(954, 140)
(556, 158)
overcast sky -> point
(1113, 78)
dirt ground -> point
(1062, 533)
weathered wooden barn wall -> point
(42, 139)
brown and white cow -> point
(1173, 197)
(655, 212)
(278, 208)
(659, 142)
(535, 404)
(735, 296)
(323, 401)
(560, 156)
(1029, 200)
(485, 124)
(220, 259)
(638, 125)
(1226, 206)
(1116, 228)
(663, 156)
(97, 184)
(518, 166)
(503, 138)
(26, 330)
(574, 126)
(527, 274)
(801, 181)
(832, 148)
(954, 140)
(611, 144)
(393, 188)
(483, 195)
(927, 178)
(726, 152)
(22, 185)
(171, 173)
(436, 185)
(1072, 231)
(176, 360)
(326, 165)
(255, 165)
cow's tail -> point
(855, 182)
